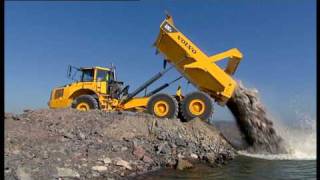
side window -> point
(102, 75)
(87, 75)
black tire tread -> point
(175, 103)
(184, 114)
(93, 103)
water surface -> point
(243, 167)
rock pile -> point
(68, 144)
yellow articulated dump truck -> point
(98, 87)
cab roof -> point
(97, 67)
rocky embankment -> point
(68, 144)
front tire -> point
(163, 106)
(85, 103)
(196, 104)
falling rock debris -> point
(254, 121)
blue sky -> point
(277, 39)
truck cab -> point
(95, 82)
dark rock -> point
(163, 148)
(7, 170)
(16, 117)
(180, 142)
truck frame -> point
(99, 88)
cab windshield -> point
(103, 75)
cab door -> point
(88, 79)
(101, 81)
(102, 87)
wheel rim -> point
(83, 107)
(161, 108)
(197, 107)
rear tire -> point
(163, 106)
(196, 104)
(85, 103)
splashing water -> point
(300, 141)
(270, 139)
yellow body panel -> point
(70, 91)
(195, 65)
(136, 102)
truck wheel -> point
(163, 106)
(85, 103)
(196, 104)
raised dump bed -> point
(198, 68)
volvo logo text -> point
(187, 44)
